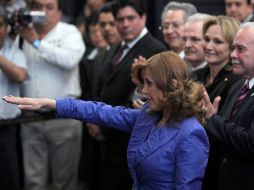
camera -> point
(26, 17)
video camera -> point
(26, 17)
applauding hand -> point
(210, 108)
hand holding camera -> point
(23, 21)
(26, 17)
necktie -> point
(117, 57)
(245, 89)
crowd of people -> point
(129, 111)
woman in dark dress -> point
(218, 78)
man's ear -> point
(143, 17)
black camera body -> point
(26, 17)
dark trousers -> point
(9, 172)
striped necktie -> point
(245, 89)
(118, 55)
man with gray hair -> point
(173, 18)
(194, 43)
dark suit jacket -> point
(221, 84)
(220, 87)
(90, 71)
(237, 135)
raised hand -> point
(210, 108)
(137, 61)
(31, 103)
(137, 104)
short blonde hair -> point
(228, 25)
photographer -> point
(53, 50)
(12, 73)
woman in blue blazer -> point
(168, 148)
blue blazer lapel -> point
(157, 139)
(139, 135)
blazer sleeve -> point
(119, 117)
(238, 138)
(191, 160)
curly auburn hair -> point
(171, 76)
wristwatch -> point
(37, 43)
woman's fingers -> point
(23, 103)
(138, 103)
(210, 108)
(12, 99)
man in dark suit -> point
(234, 126)
(117, 88)
(241, 10)
(92, 69)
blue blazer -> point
(171, 157)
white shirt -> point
(181, 54)
(8, 87)
(53, 67)
(251, 83)
(247, 19)
(200, 66)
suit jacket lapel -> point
(231, 99)
(129, 57)
(158, 138)
(107, 67)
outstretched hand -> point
(31, 103)
(210, 108)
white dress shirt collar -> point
(133, 42)
(251, 83)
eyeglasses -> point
(174, 25)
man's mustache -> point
(236, 62)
